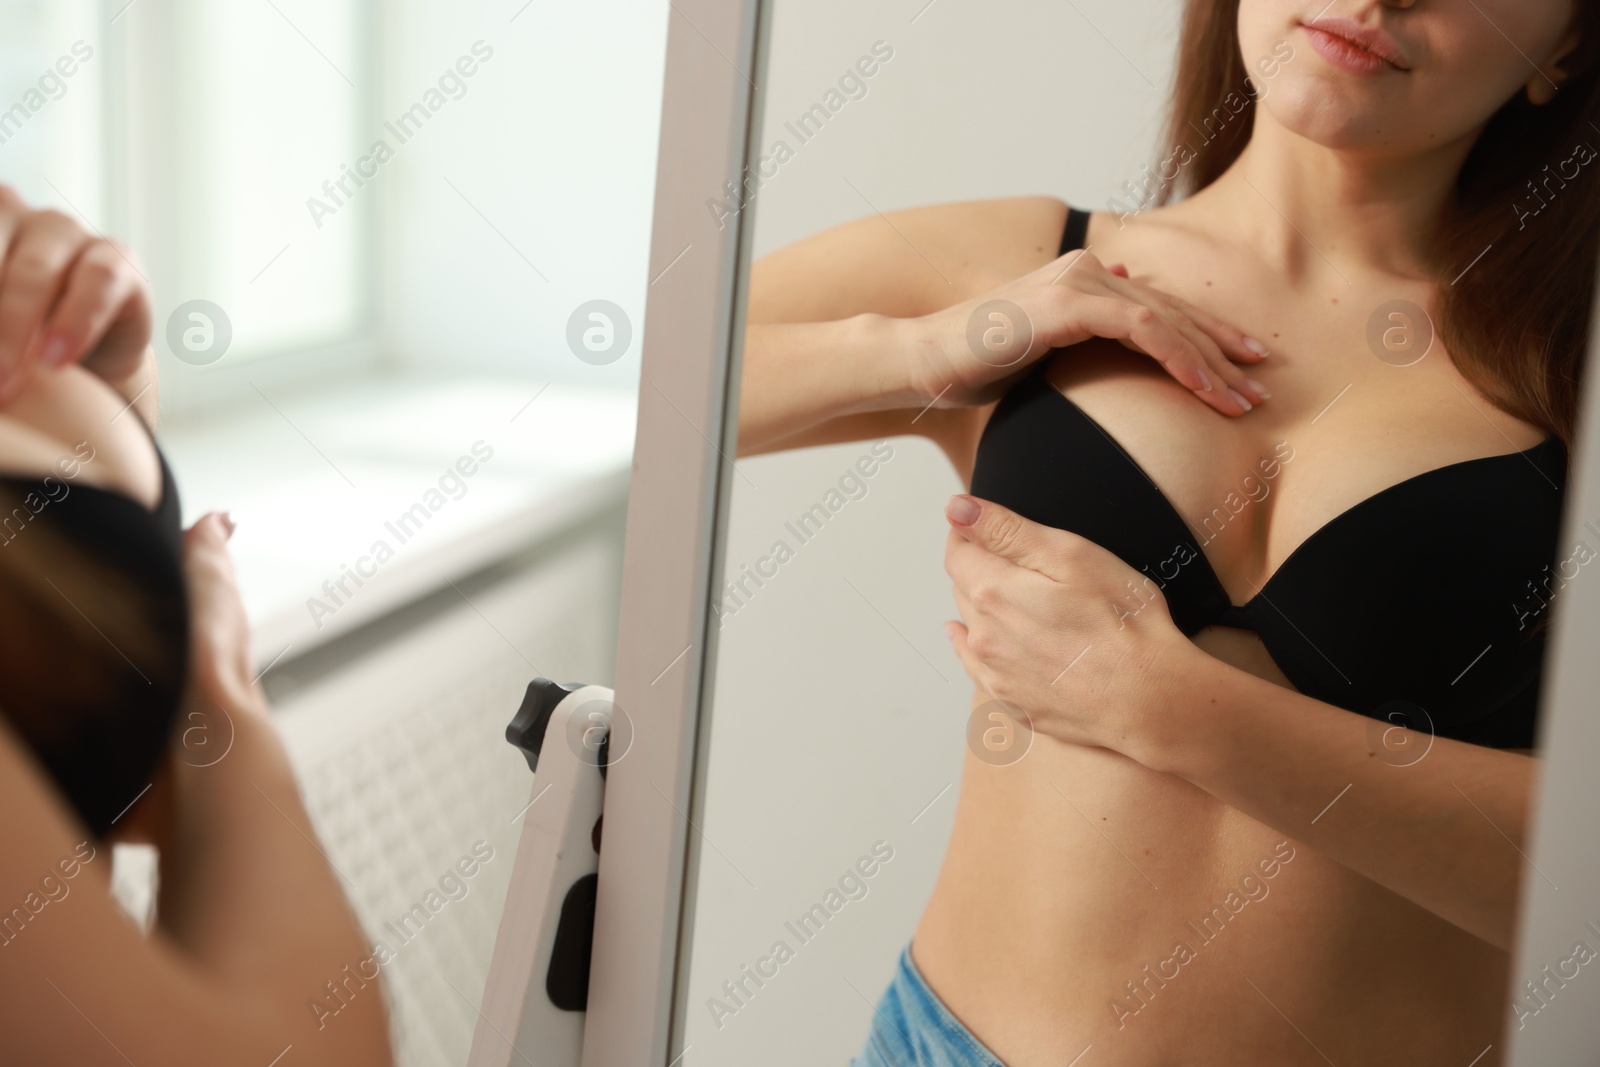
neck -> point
(1321, 216)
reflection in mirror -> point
(1254, 333)
(392, 297)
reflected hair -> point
(1516, 321)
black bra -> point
(94, 649)
(1422, 605)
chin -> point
(1333, 116)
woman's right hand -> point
(220, 671)
(221, 697)
(969, 353)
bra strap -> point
(1075, 230)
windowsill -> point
(320, 486)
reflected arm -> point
(829, 354)
(1448, 832)
(848, 374)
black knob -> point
(527, 727)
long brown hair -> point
(1516, 247)
(93, 646)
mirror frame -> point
(692, 334)
(1561, 837)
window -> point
(198, 133)
(267, 102)
(231, 143)
(52, 71)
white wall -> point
(1007, 98)
(839, 712)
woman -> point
(1279, 648)
(128, 712)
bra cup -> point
(1427, 597)
(1417, 594)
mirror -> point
(1280, 808)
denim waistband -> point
(911, 1027)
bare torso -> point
(1074, 875)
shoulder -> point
(907, 262)
(68, 417)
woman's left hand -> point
(1060, 628)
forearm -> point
(796, 376)
(1445, 831)
(250, 896)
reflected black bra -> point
(94, 646)
(1422, 605)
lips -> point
(1371, 42)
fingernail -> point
(1255, 346)
(1260, 389)
(962, 510)
(1205, 380)
(55, 352)
(1240, 398)
(228, 523)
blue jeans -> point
(911, 1027)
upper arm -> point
(905, 264)
(240, 966)
(83, 984)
